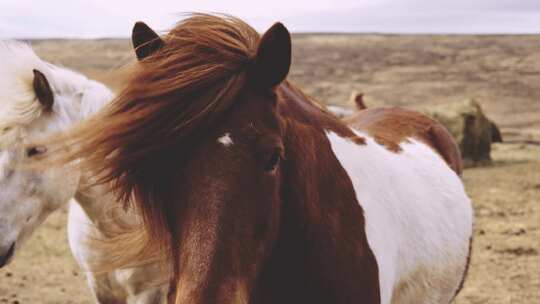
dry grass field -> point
(501, 72)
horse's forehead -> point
(13, 135)
(10, 137)
(226, 139)
(250, 122)
(249, 131)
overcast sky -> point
(114, 18)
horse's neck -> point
(323, 243)
(298, 107)
(96, 202)
(71, 111)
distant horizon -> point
(293, 33)
(99, 19)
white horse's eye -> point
(33, 151)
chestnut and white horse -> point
(261, 196)
(38, 99)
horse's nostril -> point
(7, 256)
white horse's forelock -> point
(18, 102)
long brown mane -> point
(173, 96)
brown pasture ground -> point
(501, 72)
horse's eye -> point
(273, 161)
(33, 151)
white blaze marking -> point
(226, 140)
(418, 217)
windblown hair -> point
(172, 96)
(18, 101)
(19, 105)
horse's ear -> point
(145, 40)
(273, 58)
(43, 90)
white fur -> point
(226, 140)
(17, 98)
(75, 96)
(29, 196)
(418, 217)
(88, 217)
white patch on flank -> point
(418, 217)
(226, 139)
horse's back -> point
(418, 216)
(391, 126)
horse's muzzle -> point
(6, 256)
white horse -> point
(37, 99)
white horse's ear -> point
(43, 90)
(273, 59)
(145, 40)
